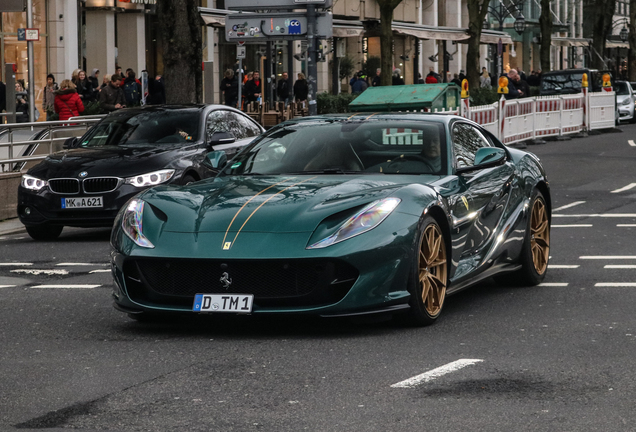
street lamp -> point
(624, 34)
(520, 24)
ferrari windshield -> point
(164, 127)
(334, 147)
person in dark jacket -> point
(283, 88)
(253, 88)
(521, 85)
(360, 85)
(112, 96)
(67, 102)
(94, 79)
(513, 93)
(48, 95)
(377, 81)
(156, 92)
(301, 88)
(396, 79)
(132, 89)
(229, 88)
(21, 104)
(84, 87)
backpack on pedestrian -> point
(132, 93)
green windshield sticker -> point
(236, 165)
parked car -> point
(129, 151)
(568, 81)
(625, 100)
(338, 216)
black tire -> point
(430, 270)
(145, 317)
(187, 179)
(44, 232)
(535, 251)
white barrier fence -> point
(518, 120)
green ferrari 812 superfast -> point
(343, 215)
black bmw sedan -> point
(133, 149)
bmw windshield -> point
(328, 147)
(165, 127)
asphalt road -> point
(557, 357)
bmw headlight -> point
(151, 179)
(366, 219)
(626, 101)
(33, 183)
(132, 223)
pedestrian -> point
(132, 89)
(301, 88)
(94, 79)
(396, 79)
(112, 96)
(484, 79)
(419, 79)
(431, 78)
(376, 79)
(513, 93)
(462, 76)
(67, 101)
(353, 80)
(105, 82)
(253, 88)
(456, 80)
(522, 86)
(533, 79)
(21, 103)
(48, 97)
(83, 86)
(282, 89)
(118, 70)
(361, 84)
(229, 88)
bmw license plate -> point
(82, 202)
(236, 303)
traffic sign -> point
(32, 34)
(275, 4)
(240, 52)
(274, 26)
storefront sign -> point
(274, 4)
(32, 34)
(12, 6)
(275, 26)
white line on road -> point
(15, 264)
(620, 266)
(572, 226)
(99, 271)
(607, 257)
(567, 206)
(39, 272)
(623, 189)
(601, 215)
(436, 373)
(626, 225)
(554, 284)
(7, 286)
(616, 284)
(80, 264)
(631, 143)
(563, 266)
(66, 286)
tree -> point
(545, 22)
(631, 56)
(386, 38)
(181, 40)
(477, 10)
(602, 12)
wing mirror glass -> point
(489, 155)
(70, 143)
(222, 138)
(217, 159)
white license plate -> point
(82, 202)
(236, 303)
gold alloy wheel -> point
(432, 269)
(540, 236)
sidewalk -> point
(11, 226)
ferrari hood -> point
(103, 161)
(268, 203)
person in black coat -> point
(84, 87)
(253, 88)
(301, 88)
(229, 88)
(282, 88)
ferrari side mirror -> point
(489, 155)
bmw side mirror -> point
(218, 138)
(70, 143)
(217, 159)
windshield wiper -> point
(328, 171)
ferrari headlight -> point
(366, 219)
(151, 179)
(33, 183)
(132, 223)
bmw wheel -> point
(44, 232)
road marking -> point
(66, 286)
(554, 284)
(572, 226)
(620, 266)
(567, 206)
(623, 189)
(626, 225)
(80, 264)
(99, 271)
(616, 284)
(602, 257)
(562, 266)
(15, 264)
(631, 143)
(39, 272)
(7, 286)
(436, 373)
(602, 215)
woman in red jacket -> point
(67, 102)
